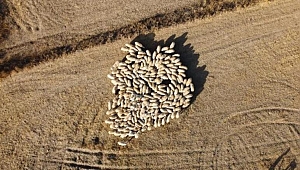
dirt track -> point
(246, 117)
(57, 27)
(29, 43)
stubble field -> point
(244, 62)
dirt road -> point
(245, 65)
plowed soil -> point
(244, 63)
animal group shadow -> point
(188, 57)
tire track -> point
(200, 158)
(284, 83)
(78, 157)
(186, 159)
(178, 16)
(265, 110)
(242, 157)
(213, 127)
(267, 131)
(244, 42)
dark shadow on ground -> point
(29, 58)
(277, 163)
(188, 57)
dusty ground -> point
(245, 65)
(41, 28)
(22, 47)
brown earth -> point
(245, 65)
(39, 37)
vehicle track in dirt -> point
(246, 115)
(15, 58)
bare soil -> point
(244, 63)
(48, 32)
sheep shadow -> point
(188, 57)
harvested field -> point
(244, 63)
(21, 48)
